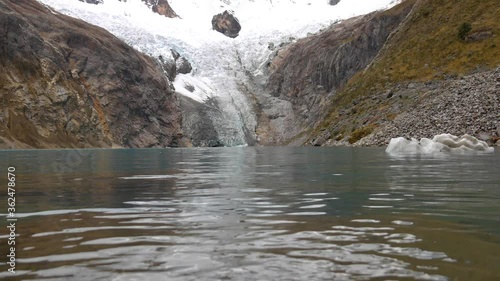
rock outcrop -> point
(66, 83)
(95, 2)
(161, 7)
(176, 64)
(308, 73)
(183, 66)
(198, 123)
(227, 24)
(417, 87)
(333, 2)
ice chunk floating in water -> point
(439, 144)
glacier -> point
(221, 65)
(439, 144)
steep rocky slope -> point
(309, 73)
(66, 83)
(405, 71)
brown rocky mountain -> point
(308, 73)
(388, 74)
(66, 83)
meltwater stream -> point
(253, 214)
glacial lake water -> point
(252, 214)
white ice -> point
(220, 64)
(444, 143)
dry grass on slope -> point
(426, 47)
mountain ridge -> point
(66, 83)
(424, 54)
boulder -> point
(333, 2)
(183, 65)
(161, 7)
(227, 24)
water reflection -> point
(256, 214)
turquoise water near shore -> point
(253, 214)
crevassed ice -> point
(444, 143)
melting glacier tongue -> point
(218, 109)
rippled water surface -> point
(252, 214)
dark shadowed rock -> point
(169, 67)
(333, 2)
(66, 83)
(175, 65)
(226, 24)
(175, 54)
(197, 121)
(183, 65)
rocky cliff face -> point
(406, 72)
(308, 73)
(65, 83)
(429, 78)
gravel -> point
(464, 105)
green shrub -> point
(463, 30)
(360, 133)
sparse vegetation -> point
(426, 48)
(463, 30)
(360, 133)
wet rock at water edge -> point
(227, 24)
